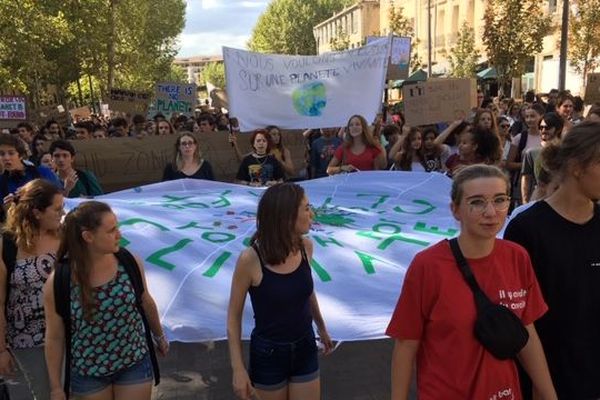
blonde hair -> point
(21, 222)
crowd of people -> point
(71, 297)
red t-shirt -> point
(364, 161)
(437, 308)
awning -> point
(417, 76)
(488, 73)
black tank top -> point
(281, 302)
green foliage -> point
(513, 32)
(214, 73)
(286, 26)
(57, 41)
(401, 26)
(584, 36)
(341, 41)
(463, 56)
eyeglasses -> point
(186, 144)
(479, 205)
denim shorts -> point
(274, 365)
(136, 374)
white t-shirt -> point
(533, 141)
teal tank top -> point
(114, 338)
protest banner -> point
(399, 63)
(438, 100)
(13, 109)
(80, 113)
(128, 101)
(367, 228)
(300, 92)
(121, 163)
(592, 89)
(175, 98)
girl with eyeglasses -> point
(188, 162)
(550, 128)
(433, 322)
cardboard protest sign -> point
(128, 101)
(438, 100)
(300, 92)
(175, 98)
(13, 109)
(592, 89)
(54, 112)
(121, 163)
(367, 228)
(399, 64)
(78, 114)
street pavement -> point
(201, 371)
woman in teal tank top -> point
(110, 355)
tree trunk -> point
(111, 44)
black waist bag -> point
(497, 328)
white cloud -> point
(209, 44)
(211, 24)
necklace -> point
(258, 158)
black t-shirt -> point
(566, 259)
(204, 172)
(260, 169)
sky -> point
(211, 24)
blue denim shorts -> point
(274, 365)
(136, 374)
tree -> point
(126, 43)
(513, 32)
(286, 26)
(214, 73)
(463, 56)
(341, 40)
(401, 26)
(584, 36)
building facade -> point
(356, 22)
(194, 66)
(447, 17)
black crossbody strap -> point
(481, 299)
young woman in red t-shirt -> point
(360, 152)
(433, 322)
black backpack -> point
(62, 301)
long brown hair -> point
(366, 132)
(276, 222)
(409, 154)
(21, 222)
(280, 146)
(580, 147)
(74, 250)
(178, 161)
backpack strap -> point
(522, 144)
(85, 180)
(128, 261)
(9, 256)
(62, 303)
